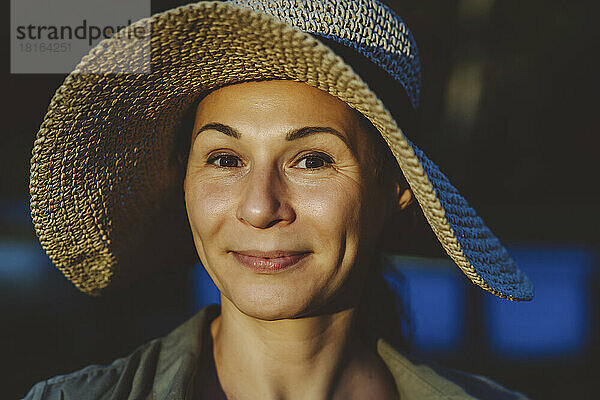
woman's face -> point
(281, 199)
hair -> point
(382, 312)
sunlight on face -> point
(282, 205)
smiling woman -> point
(290, 184)
(293, 174)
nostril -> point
(273, 223)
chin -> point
(270, 303)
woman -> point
(287, 185)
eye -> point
(224, 160)
(315, 161)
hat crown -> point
(367, 26)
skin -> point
(289, 335)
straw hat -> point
(106, 172)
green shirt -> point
(175, 366)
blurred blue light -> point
(205, 291)
(22, 262)
(436, 299)
(557, 321)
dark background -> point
(509, 110)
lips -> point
(269, 261)
(269, 254)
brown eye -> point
(224, 160)
(315, 161)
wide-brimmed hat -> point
(106, 172)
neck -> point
(316, 357)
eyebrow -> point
(291, 135)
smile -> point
(268, 262)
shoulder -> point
(477, 386)
(103, 381)
(161, 368)
(419, 380)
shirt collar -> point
(178, 364)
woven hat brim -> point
(103, 173)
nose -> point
(264, 202)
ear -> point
(397, 233)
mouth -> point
(266, 262)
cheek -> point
(331, 210)
(207, 203)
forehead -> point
(276, 101)
(279, 106)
